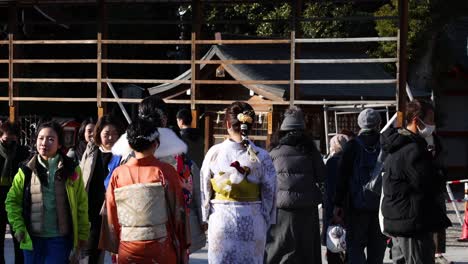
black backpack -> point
(363, 170)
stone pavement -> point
(456, 251)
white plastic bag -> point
(336, 239)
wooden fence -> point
(194, 63)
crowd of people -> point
(149, 195)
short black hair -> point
(185, 115)
(138, 133)
(54, 126)
(154, 109)
(105, 121)
(418, 108)
(8, 127)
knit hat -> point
(293, 119)
(369, 119)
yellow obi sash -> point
(242, 192)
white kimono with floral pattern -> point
(237, 230)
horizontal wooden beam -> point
(53, 42)
(242, 61)
(378, 81)
(243, 41)
(58, 61)
(133, 61)
(149, 81)
(147, 42)
(345, 40)
(241, 82)
(54, 99)
(120, 61)
(205, 42)
(54, 80)
(326, 61)
(3, 80)
(209, 102)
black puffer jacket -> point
(300, 169)
(411, 185)
(194, 140)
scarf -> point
(7, 170)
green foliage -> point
(327, 28)
(420, 21)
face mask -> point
(427, 131)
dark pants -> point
(96, 256)
(440, 237)
(3, 222)
(413, 250)
(295, 238)
(53, 250)
(439, 241)
(336, 258)
(363, 232)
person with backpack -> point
(412, 187)
(356, 206)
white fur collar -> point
(170, 145)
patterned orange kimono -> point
(138, 243)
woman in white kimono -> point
(238, 186)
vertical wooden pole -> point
(102, 30)
(195, 68)
(10, 78)
(269, 121)
(99, 76)
(12, 87)
(208, 132)
(298, 6)
(325, 125)
(193, 71)
(402, 68)
(194, 118)
(292, 70)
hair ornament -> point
(152, 137)
(245, 117)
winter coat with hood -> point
(299, 168)
(411, 185)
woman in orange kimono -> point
(145, 204)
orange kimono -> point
(146, 212)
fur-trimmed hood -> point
(169, 145)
